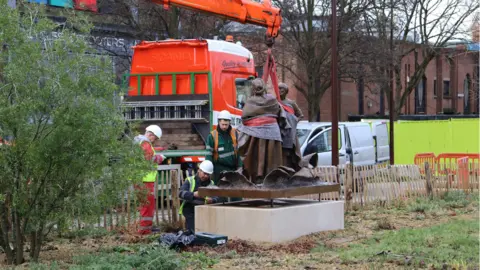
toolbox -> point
(203, 238)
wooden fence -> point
(126, 213)
(361, 186)
(384, 185)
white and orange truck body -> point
(182, 85)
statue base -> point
(269, 220)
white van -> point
(359, 143)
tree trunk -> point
(18, 239)
(4, 228)
(36, 243)
(397, 106)
(313, 108)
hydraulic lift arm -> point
(243, 11)
(246, 12)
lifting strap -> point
(270, 69)
(233, 134)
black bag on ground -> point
(178, 240)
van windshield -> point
(302, 135)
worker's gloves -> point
(159, 158)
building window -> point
(466, 94)
(420, 96)
(446, 88)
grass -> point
(450, 243)
(138, 257)
(408, 233)
(450, 201)
(453, 244)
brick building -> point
(458, 92)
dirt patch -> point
(242, 247)
(297, 254)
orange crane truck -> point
(182, 85)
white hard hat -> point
(206, 166)
(225, 115)
(155, 130)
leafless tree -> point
(145, 20)
(306, 34)
(420, 27)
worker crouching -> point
(189, 193)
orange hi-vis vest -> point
(215, 142)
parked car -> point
(360, 143)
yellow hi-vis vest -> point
(191, 180)
(151, 176)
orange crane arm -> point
(243, 11)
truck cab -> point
(182, 85)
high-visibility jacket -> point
(192, 183)
(150, 154)
(151, 176)
(223, 151)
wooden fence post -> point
(168, 193)
(428, 176)
(156, 198)
(348, 185)
(174, 188)
(162, 198)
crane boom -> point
(243, 11)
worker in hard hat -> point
(189, 193)
(222, 146)
(152, 134)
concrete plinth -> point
(257, 221)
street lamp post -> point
(334, 85)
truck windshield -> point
(302, 135)
(243, 87)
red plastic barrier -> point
(448, 162)
(421, 158)
(462, 173)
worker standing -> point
(152, 134)
(189, 193)
(222, 147)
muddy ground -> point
(303, 253)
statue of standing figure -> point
(260, 139)
(290, 146)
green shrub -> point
(147, 258)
